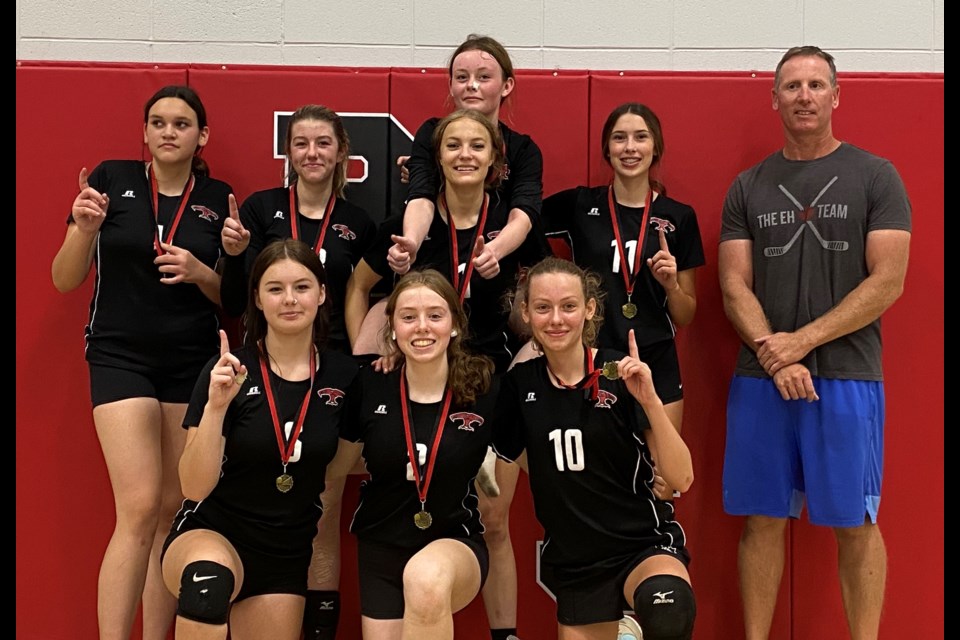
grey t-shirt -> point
(808, 221)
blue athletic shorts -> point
(829, 451)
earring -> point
(453, 334)
(393, 336)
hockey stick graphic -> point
(773, 252)
(830, 245)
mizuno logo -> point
(197, 578)
(661, 597)
(128, 194)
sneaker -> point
(629, 629)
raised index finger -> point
(234, 211)
(224, 343)
(83, 179)
(663, 241)
(632, 345)
(478, 248)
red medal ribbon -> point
(295, 218)
(629, 275)
(590, 380)
(408, 434)
(454, 250)
(286, 449)
(184, 198)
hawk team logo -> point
(344, 232)
(333, 396)
(493, 234)
(662, 225)
(467, 420)
(605, 400)
(207, 214)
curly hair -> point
(469, 375)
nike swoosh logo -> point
(197, 578)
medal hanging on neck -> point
(155, 200)
(462, 285)
(422, 519)
(295, 218)
(285, 480)
(629, 309)
(590, 380)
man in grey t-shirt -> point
(813, 249)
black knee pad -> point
(665, 608)
(321, 615)
(205, 591)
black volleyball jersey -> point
(581, 216)
(484, 301)
(389, 499)
(266, 215)
(522, 184)
(245, 505)
(591, 474)
(136, 320)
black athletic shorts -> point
(594, 594)
(263, 572)
(381, 575)
(664, 364)
(110, 384)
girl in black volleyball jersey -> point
(469, 151)
(423, 430)
(313, 209)
(262, 425)
(593, 431)
(644, 245)
(153, 231)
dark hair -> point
(495, 172)
(324, 114)
(469, 375)
(653, 123)
(807, 50)
(301, 253)
(590, 284)
(189, 96)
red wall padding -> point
(74, 115)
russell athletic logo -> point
(467, 420)
(333, 396)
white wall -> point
(695, 35)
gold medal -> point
(610, 371)
(284, 482)
(629, 310)
(240, 378)
(423, 520)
